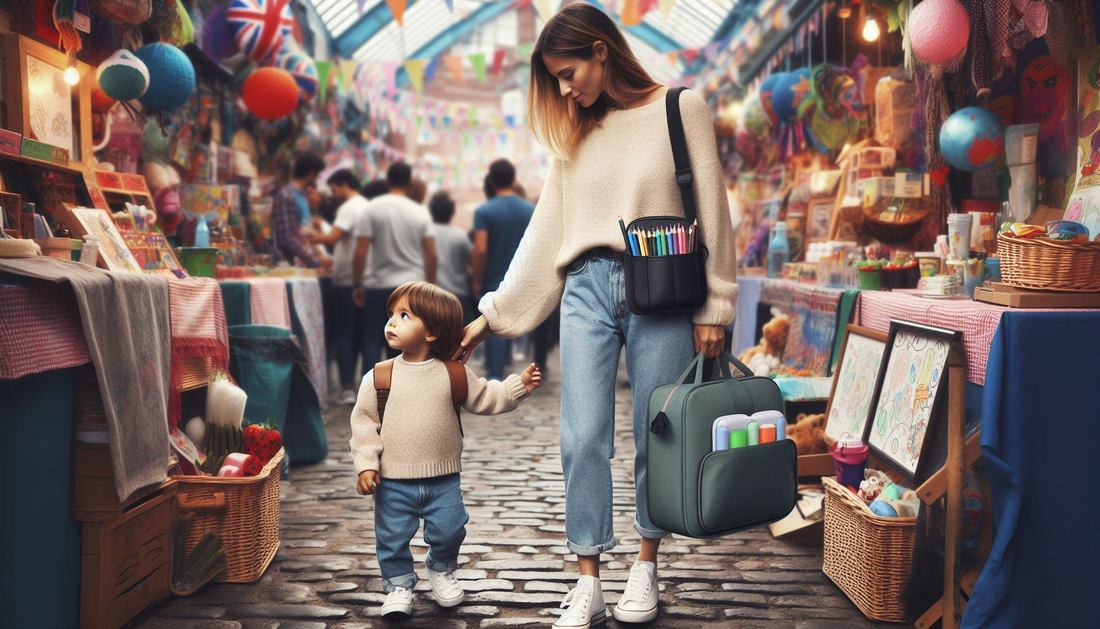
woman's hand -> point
(475, 333)
(710, 339)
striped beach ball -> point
(301, 67)
(260, 26)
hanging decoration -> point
(171, 76)
(397, 8)
(789, 93)
(829, 110)
(348, 69)
(478, 61)
(767, 89)
(415, 69)
(972, 139)
(324, 75)
(454, 64)
(64, 17)
(271, 93)
(260, 26)
(939, 30)
(301, 67)
(123, 76)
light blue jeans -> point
(398, 507)
(595, 324)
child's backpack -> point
(700, 493)
(383, 372)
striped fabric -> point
(269, 302)
(40, 330)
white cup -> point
(958, 235)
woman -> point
(603, 116)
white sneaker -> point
(347, 397)
(584, 606)
(446, 588)
(398, 603)
(639, 600)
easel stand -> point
(961, 454)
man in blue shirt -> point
(499, 225)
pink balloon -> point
(939, 30)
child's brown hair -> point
(439, 309)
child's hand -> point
(368, 482)
(532, 378)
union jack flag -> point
(260, 26)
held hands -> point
(368, 482)
(532, 378)
(710, 339)
(475, 333)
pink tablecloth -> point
(198, 331)
(40, 330)
(977, 321)
(269, 302)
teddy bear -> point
(768, 355)
(808, 434)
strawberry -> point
(252, 466)
(262, 441)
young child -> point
(407, 440)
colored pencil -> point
(651, 244)
(641, 242)
(671, 246)
(683, 243)
(622, 226)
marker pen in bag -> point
(767, 434)
(780, 429)
(753, 429)
(739, 439)
(722, 441)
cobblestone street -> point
(514, 565)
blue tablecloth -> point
(1039, 436)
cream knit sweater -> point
(420, 437)
(623, 168)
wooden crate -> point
(94, 495)
(126, 562)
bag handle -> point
(694, 374)
(684, 177)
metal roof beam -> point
(368, 25)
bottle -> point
(26, 221)
(202, 232)
(778, 250)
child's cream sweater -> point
(419, 437)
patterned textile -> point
(198, 331)
(286, 223)
(813, 327)
(269, 302)
(39, 330)
(309, 328)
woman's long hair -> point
(557, 122)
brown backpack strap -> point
(383, 371)
(459, 386)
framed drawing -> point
(853, 383)
(41, 105)
(908, 394)
(821, 217)
(112, 248)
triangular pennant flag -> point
(415, 68)
(429, 71)
(546, 9)
(478, 61)
(454, 64)
(347, 71)
(673, 57)
(666, 7)
(451, 5)
(630, 15)
(498, 61)
(397, 7)
(711, 51)
(524, 51)
(690, 54)
(389, 71)
(324, 73)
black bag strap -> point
(680, 152)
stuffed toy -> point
(808, 434)
(874, 484)
(768, 355)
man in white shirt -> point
(395, 244)
(344, 186)
(455, 252)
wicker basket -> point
(245, 511)
(869, 557)
(893, 233)
(1059, 265)
(123, 11)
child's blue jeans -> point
(399, 506)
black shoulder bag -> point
(669, 274)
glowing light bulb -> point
(71, 76)
(870, 29)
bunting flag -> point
(546, 9)
(360, 4)
(389, 70)
(674, 57)
(348, 69)
(498, 61)
(478, 61)
(397, 7)
(691, 54)
(324, 73)
(429, 71)
(711, 51)
(451, 5)
(415, 68)
(454, 64)
(631, 14)
(524, 52)
(666, 7)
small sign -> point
(98, 200)
(10, 142)
(109, 180)
(133, 183)
(45, 152)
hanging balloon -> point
(972, 139)
(122, 76)
(171, 76)
(789, 93)
(304, 72)
(260, 26)
(767, 92)
(754, 119)
(938, 30)
(270, 93)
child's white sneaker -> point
(398, 603)
(639, 600)
(584, 606)
(446, 588)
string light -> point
(870, 28)
(71, 75)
